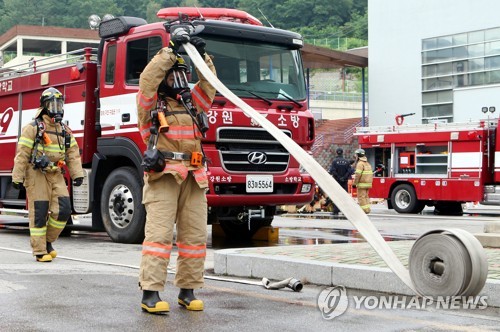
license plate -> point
(260, 183)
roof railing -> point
(59, 60)
(429, 127)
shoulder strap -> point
(40, 129)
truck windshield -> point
(272, 71)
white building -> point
(437, 59)
(22, 43)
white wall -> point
(396, 29)
(467, 102)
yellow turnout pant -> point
(185, 205)
(49, 207)
(364, 199)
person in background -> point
(341, 170)
(363, 178)
(46, 145)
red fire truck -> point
(440, 164)
(250, 173)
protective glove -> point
(77, 182)
(17, 185)
(200, 44)
(178, 37)
(186, 95)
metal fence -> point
(337, 96)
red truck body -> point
(439, 164)
(250, 173)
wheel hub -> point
(121, 206)
(403, 199)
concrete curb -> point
(234, 263)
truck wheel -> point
(123, 214)
(404, 199)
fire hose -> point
(474, 273)
(292, 283)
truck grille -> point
(248, 150)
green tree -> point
(357, 27)
(67, 13)
(298, 13)
(135, 8)
(152, 9)
(219, 3)
(75, 13)
(254, 7)
(190, 3)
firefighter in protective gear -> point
(46, 145)
(363, 178)
(174, 195)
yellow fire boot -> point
(152, 303)
(44, 258)
(189, 301)
(51, 250)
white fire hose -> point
(292, 283)
(340, 197)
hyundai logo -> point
(257, 158)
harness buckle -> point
(196, 158)
(178, 156)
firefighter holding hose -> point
(172, 121)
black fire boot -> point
(51, 250)
(189, 301)
(152, 303)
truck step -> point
(11, 193)
(12, 202)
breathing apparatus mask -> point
(55, 109)
(52, 101)
(176, 80)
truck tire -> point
(404, 199)
(123, 214)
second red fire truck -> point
(439, 164)
(250, 173)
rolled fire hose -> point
(448, 262)
(291, 283)
(340, 197)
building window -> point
(456, 61)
